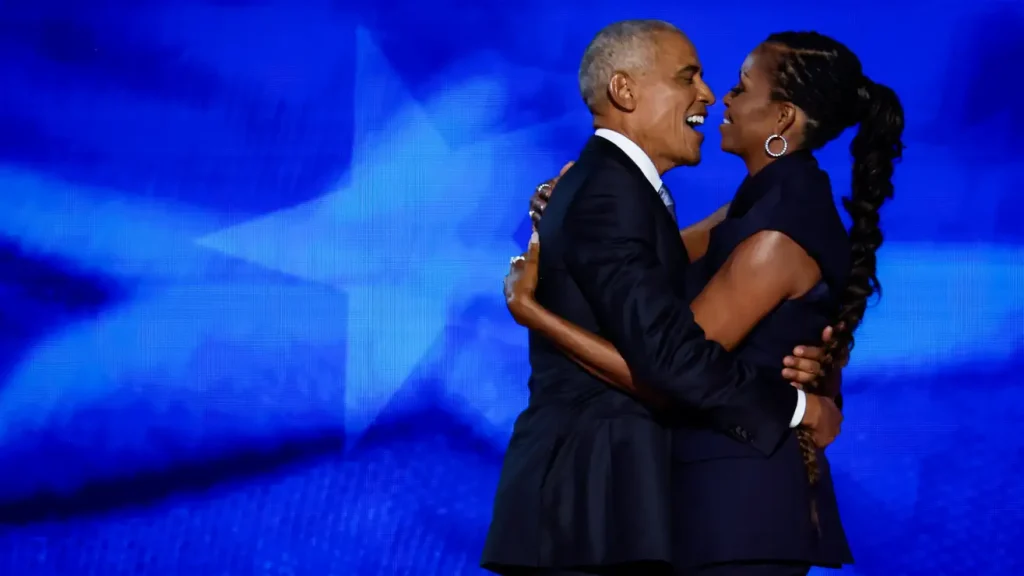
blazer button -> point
(741, 433)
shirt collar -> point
(635, 153)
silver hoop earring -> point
(768, 143)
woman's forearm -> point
(651, 398)
(593, 353)
(697, 236)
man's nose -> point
(707, 96)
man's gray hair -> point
(627, 46)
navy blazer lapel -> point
(598, 149)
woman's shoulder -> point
(796, 201)
(804, 200)
(802, 206)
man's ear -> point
(622, 91)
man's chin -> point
(690, 159)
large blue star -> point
(419, 226)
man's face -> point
(672, 101)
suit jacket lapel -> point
(598, 148)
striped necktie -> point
(666, 197)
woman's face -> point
(751, 116)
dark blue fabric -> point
(587, 476)
(732, 503)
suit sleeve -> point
(610, 253)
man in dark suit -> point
(586, 486)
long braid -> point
(825, 79)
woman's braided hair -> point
(824, 78)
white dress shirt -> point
(646, 165)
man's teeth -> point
(695, 119)
(726, 121)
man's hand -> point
(823, 419)
(539, 200)
(805, 366)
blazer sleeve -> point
(610, 252)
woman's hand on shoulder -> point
(521, 283)
(541, 195)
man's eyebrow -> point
(692, 69)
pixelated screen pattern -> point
(250, 263)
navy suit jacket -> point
(587, 478)
(625, 262)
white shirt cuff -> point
(801, 408)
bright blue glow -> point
(250, 265)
